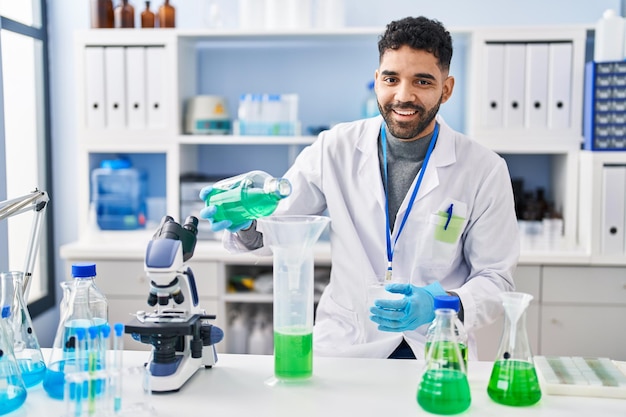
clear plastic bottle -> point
(609, 38)
(83, 306)
(370, 104)
(444, 388)
(119, 195)
(247, 196)
(451, 302)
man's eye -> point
(390, 80)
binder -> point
(559, 85)
(136, 86)
(155, 82)
(613, 206)
(514, 84)
(537, 85)
(115, 87)
(492, 103)
(94, 88)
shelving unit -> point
(323, 67)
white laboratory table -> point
(236, 386)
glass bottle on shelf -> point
(102, 14)
(124, 15)
(166, 17)
(147, 17)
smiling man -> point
(411, 202)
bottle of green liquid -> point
(452, 302)
(444, 388)
(247, 197)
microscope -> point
(179, 331)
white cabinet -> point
(583, 311)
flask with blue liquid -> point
(83, 306)
(12, 388)
(21, 331)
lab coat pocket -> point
(445, 229)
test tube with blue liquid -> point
(118, 348)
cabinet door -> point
(595, 331)
(527, 279)
(583, 311)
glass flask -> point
(291, 239)
(102, 14)
(513, 378)
(166, 16)
(247, 196)
(449, 301)
(12, 387)
(83, 306)
(124, 15)
(147, 17)
(444, 388)
(25, 343)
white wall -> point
(67, 16)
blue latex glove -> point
(208, 212)
(413, 310)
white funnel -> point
(515, 304)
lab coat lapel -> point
(368, 164)
(443, 155)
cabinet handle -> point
(555, 321)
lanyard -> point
(390, 248)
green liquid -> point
(448, 350)
(293, 355)
(444, 391)
(239, 205)
(514, 383)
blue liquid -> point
(54, 381)
(32, 372)
(11, 398)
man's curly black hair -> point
(418, 33)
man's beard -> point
(402, 130)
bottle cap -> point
(447, 301)
(115, 163)
(83, 270)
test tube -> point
(92, 367)
(118, 348)
(80, 367)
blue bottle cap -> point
(6, 312)
(83, 270)
(115, 163)
(447, 301)
(93, 332)
(105, 330)
(80, 333)
(119, 329)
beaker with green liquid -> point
(513, 377)
(291, 239)
(444, 388)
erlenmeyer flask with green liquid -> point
(513, 377)
(444, 388)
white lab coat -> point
(340, 173)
